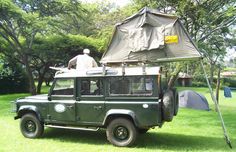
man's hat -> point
(86, 51)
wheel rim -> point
(30, 126)
(121, 133)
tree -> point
(57, 50)
(101, 17)
(22, 20)
(14, 24)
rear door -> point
(91, 101)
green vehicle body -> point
(73, 108)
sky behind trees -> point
(117, 2)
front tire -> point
(30, 126)
(121, 132)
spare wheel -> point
(176, 101)
(168, 105)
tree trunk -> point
(42, 72)
(218, 85)
(174, 77)
(32, 87)
(211, 73)
(40, 82)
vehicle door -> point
(62, 100)
(91, 101)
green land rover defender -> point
(126, 101)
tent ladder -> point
(227, 139)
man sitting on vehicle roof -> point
(83, 61)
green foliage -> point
(51, 48)
(146, 3)
(101, 18)
(230, 69)
(12, 78)
(22, 20)
(199, 82)
(230, 82)
(83, 41)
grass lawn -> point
(190, 130)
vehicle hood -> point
(34, 98)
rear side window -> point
(63, 87)
(131, 86)
(91, 86)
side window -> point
(63, 87)
(119, 85)
(131, 86)
(91, 86)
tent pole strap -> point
(217, 108)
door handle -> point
(69, 107)
(97, 107)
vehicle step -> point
(73, 128)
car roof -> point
(108, 71)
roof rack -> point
(122, 70)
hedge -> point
(13, 82)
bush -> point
(199, 84)
(230, 82)
(199, 81)
(13, 79)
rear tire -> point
(30, 126)
(121, 132)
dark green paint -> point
(93, 110)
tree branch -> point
(215, 29)
(11, 35)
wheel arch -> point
(28, 109)
(120, 113)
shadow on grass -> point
(67, 135)
(150, 140)
(181, 142)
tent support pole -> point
(104, 69)
(144, 68)
(123, 68)
(217, 108)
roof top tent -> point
(149, 36)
